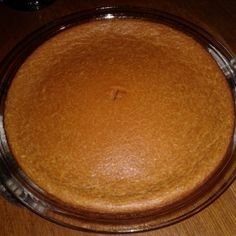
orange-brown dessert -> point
(119, 116)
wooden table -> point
(216, 16)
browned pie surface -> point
(119, 115)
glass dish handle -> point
(233, 63)
(8, 196)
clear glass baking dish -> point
(17, 186)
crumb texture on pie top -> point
(119, 115)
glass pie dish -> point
(16, 183)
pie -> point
(119, 116)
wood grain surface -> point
(216, 16)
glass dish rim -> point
(27, 193)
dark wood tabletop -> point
(216, 16)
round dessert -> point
(120, 115)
